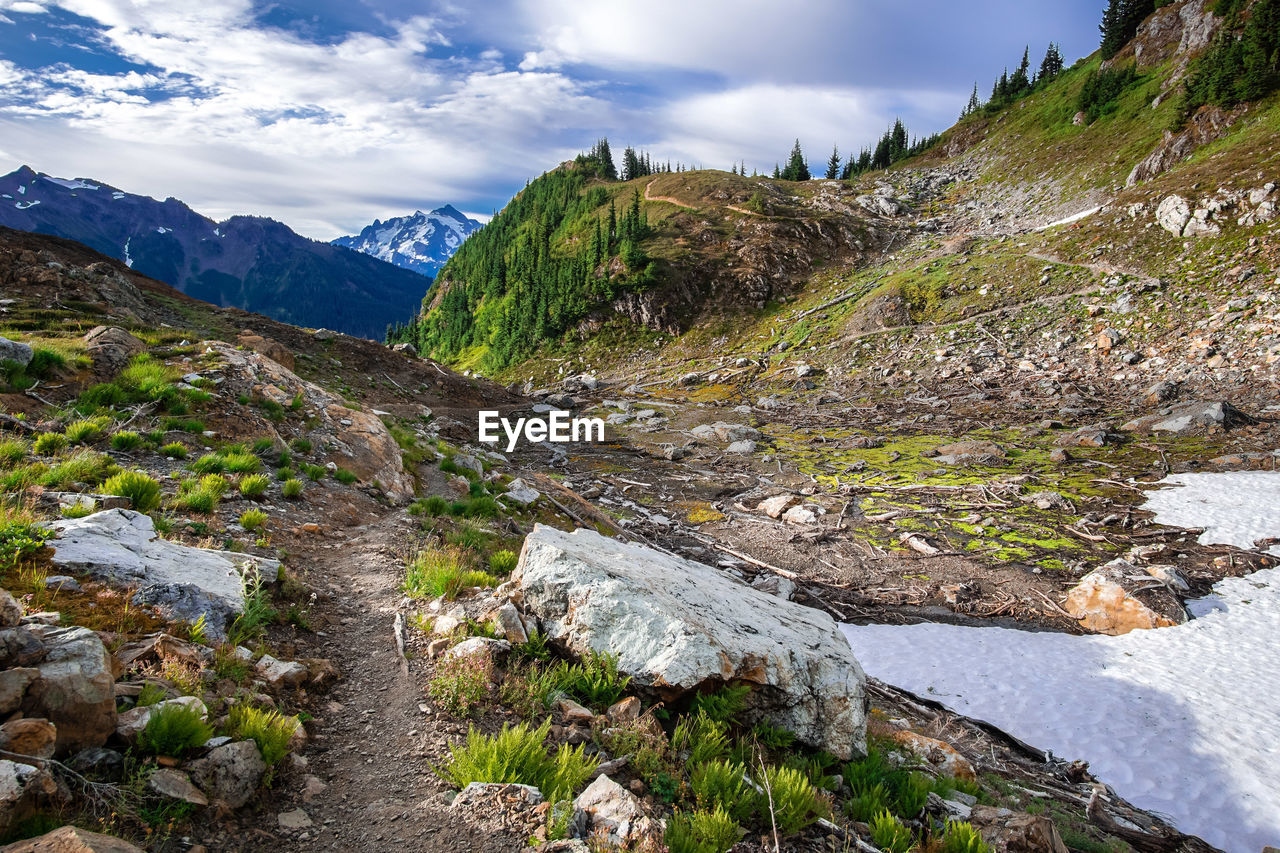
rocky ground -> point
(969, 444)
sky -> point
(327, 114)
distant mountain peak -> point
(421, 242)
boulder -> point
(508, 620)
(521, 492)
(184, 583)
(72, 839)
(99, 764)
(13, 686)
(774, 507)
(10, 610)
(677, 626)
(23, 789)
(970, 453)
(360, 441)
(30, 736)
(1173, 214)
(1119, 597)
(15, 351)
(800, 515)
(1005, 830)
(21, 646)
(176, 785)
(75, 690)
(110, 349)
(279, 673)
(484, 647)
(616, 815)
(230, 773)
(1190, 417)
(406, 349)
(273, 350)
(741, 448)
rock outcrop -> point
(185, 583)
(75, 690)
(678, 626)
(72, 839)
(111, 348)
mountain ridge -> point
(249, 262)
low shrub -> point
(12, 452)
(253, 519)
(20, 536)
(434, 506)
(174, 450)
(196, 500)
(210, 463)
(269, 729)
(503, 562)
(314, 472)
(725, 704)
(442, 572)
(215, 484)
(174, 729)
(300, 445)
(518, 754)
(83, 431)
(255, 485)
(292, 489)
(50, 443)
(460, 683)
(794, 800)
(345, 477)
(890, 835)
(241, 462)
(721, 785)
(83, 466)
(126, 440)
(141, 489)
(702, 831)
(594, 681)
(961, 837)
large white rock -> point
(677, 625)
(121, 546)
(1173, 214)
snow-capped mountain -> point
(248, 262)
(421, 242)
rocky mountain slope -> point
(421, 242)
(248, 262)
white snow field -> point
(1183, 721)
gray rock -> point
(64, 583)
(775, 506)
(512, 626)
(176, 785)
(1118, 597)
(110, 348)
(75, 690)
(23, 789)
(678, 625)
(13, 686)
(488, 793)
(689, 379)
(483, 646)
(296, 819)
(21, 646)
(133, 722)
(184, 583)
(800, 515)
(281, 674)
(15, 351)
(98, 763)
(230, 773)
(741, 447)
(615, 813)
(1190, 417)
(776, 585)
(10, 610)
(406, 349)
(521, 492)
(1173, 214)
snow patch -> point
(1184, 721)
(1073, 218)
(116, 196)
(128, 261)
(76, 184)
(23, 205)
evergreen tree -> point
(974, 105)
(1051, 65)
(1120, 23)
(606, 159)
(833, 164)
(777, 173)
(1019, 83)
(630, 164)
(797, 169)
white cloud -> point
(21, 6)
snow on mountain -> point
(421, 242)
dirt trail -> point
(668, 199)
(370, 739)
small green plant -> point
(20, 536)
(210, 463)
(150, 379)
(80, 510)
(263, 445)
(889, 834)
(12, 452)
(865, 804)
(141, 489)
(226, 664)
(197, 631)
(518, 754)
(255, 485)
(468, 536)
(345, 477)
(150, 694)
(82, 466)
(173, 729)
(594, 681)
(292, 489)
(961, 837)
(126, 440)
(174, 450)
(442, 572)
(300, 445)
(701, 737)
(793, 798)
(721, 785)
(503, 562)
(701, 831)
(50, 443)
(725, 704)
(196, 500)
(434, 506)
(538, 647)
(253, 519)
(241, 462)
(214, 484)
(773, 737)
(257, 612)
(83, 431)
(314, 472)
(269, 729)
(461, 683)
(46, 362)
